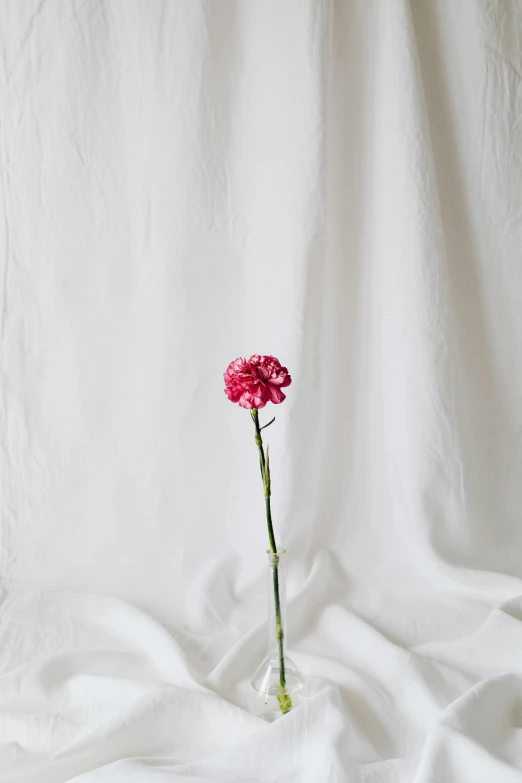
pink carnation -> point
(254, 382)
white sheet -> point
(336, 183)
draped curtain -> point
(336, 183)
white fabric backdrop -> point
(337, 183)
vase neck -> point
(276, 558)
(276, 604)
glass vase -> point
(277, 686)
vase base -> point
(268, 698)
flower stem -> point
(285, 702)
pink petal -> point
(275, 394)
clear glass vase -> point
(277, 686)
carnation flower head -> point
(254, 382)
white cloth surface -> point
(335, 182)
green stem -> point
(284, 701)
(270, 525)
(279, 627)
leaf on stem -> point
(267, 473)
(267, 425)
